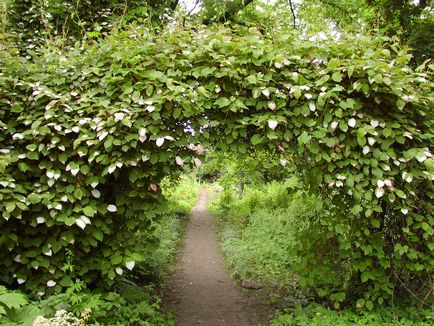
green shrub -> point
(131, 305)
(15, 308)
(316, 315)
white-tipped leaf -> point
(130, 264)
(272, 124)
(112, 208)
(160, 141)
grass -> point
(258, 234)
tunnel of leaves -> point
(87, 135)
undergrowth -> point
(260, 236)
(317, 315)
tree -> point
(221, 11)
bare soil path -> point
(201, 291)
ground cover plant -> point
(316, 315)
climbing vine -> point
(87, 135)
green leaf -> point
(34, 198)
(251, 79)
(222, 102)
(10, 206)
(360, 303)
(337, 77)
(366, 275)
(400, 193)
(13, 300)
(375, 223)
(400, 104)
(350, 71)
(256, 139)
(343, 126)
(304, 138)
(89, 211)
(334, 63)
(97, 234)
(116, 259)
(297, 92)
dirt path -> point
(202, 292)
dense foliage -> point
(29, 24)
(316, 315)
(88, 133)
(132, 300)
(260, 234)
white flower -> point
(380, 183)
(352, 122)
(103, 135)
(119, 116)
(407, 177)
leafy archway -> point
(87, 135)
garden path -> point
(201, 291)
